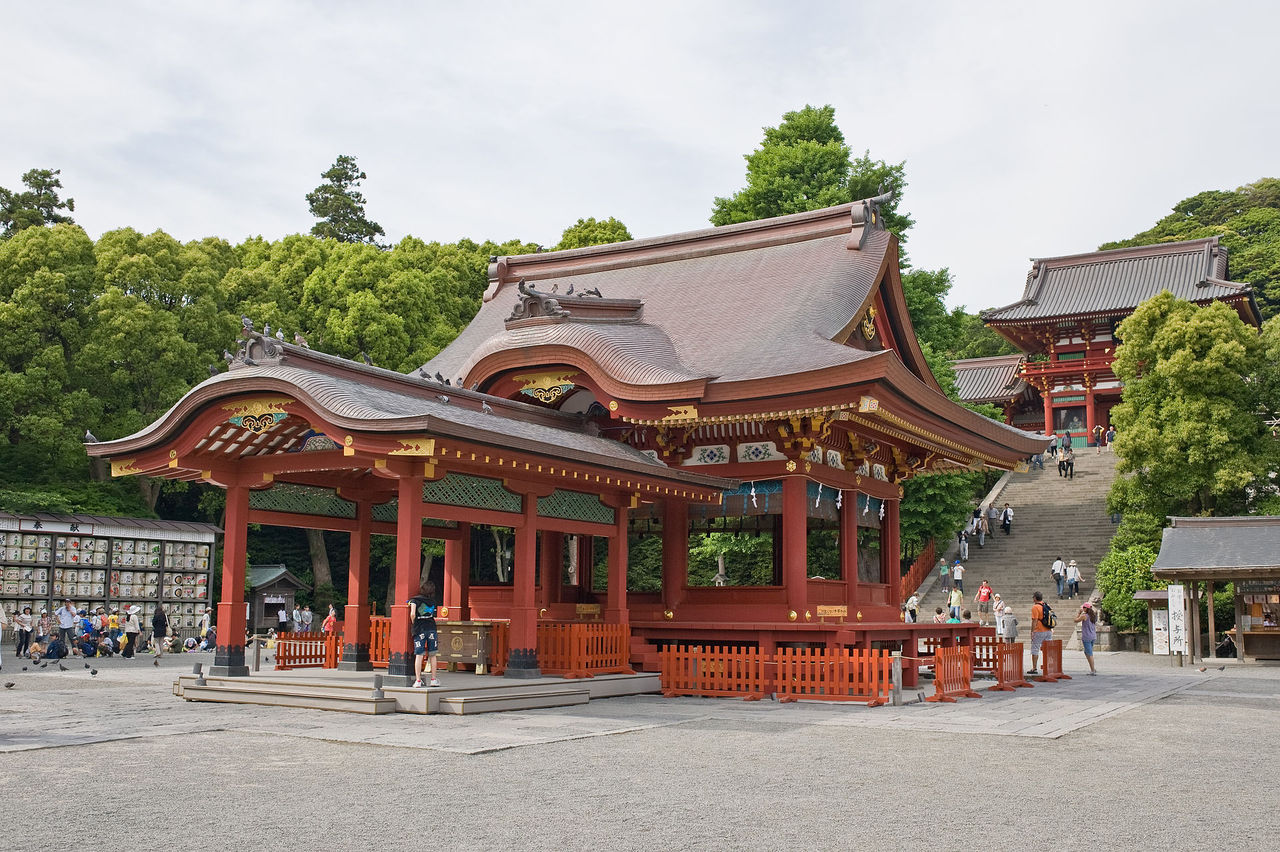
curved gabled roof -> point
(1117, 281)
(750, 301)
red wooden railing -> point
(307, 651)
(569, 649)
(714, 671)
(1052, 662)
(1009, 668)
(379, 640)
(834, 674)
(983, 650)
(951, 672)
(919, 570)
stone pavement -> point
(1141, 752)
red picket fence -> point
(951, 671)
(307, 651)
(579, 649)
(714, 671)
(1051, 659)
(834, 674)
(499, 646)
(379, 640)
(1009, 668)
(919, 570)
(983, 650)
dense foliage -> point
(1247, 219)
(38, 204)
(339, 205)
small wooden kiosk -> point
(1244, 551)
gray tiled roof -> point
(1247, 544)
(1118, 281)
(988, 379)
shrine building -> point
(761, 380)
(1065, 327)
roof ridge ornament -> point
(257, 348)
(534, 304)
(872, 219)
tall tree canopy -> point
(38, 205)
(592, 232)
(1247, 219)
(339, 205)
(1188, 432)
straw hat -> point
(1072, 562)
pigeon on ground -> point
(86, 665)
(1222, 668)
(93, 672)
(44, 665)
(9, 685)
(24, 668)
(61, 667)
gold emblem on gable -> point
(546, 387)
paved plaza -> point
(1142, 755)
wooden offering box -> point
(465, 642)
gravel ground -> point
(1192, 770)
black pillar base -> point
(228, 661)
(522, 664)
(400, 670)
(355, 658)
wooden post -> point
(355, 642)
(891, 553)
(228, 658)
(1213, 633)
(795, 542)
(616, 611)
(523, 659)
(457, 574)
(408, 576)
(675, 552)
(551, 568)
(1048, 410)
(1090, 417)
(849, 545)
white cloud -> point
(1028, 130)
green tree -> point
(38, 205)
(1120, 574)
(1188, 430)
(339, 205)
(1248, 221)
(593, 232)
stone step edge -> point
(349, 704)
(460, 705)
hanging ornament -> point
(839, 499)
(754, 505)
(867, 507)
(819, 500)
(882, 510)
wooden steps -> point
(497, 701)
(285, 697)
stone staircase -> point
(1052, 517)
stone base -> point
(228, 661)
(228, 671)
(355, 666)
(522, 664)
(400, 670)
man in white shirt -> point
(957, 575)
(1059, 571)
(1073, 579)
(282, 620)
(67, 624)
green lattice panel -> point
(302, 500)
(473, 492)
(574, 506)
(386, 512)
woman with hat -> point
(1073, 579)
(23, 625)
(132, 632)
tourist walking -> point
(1088, 621)
(1053, 445)
(956, 600)
(1007, 625)
(963, 538)
(1069, 464)
(282, 620)
(1041, 629)
(1098, 435)
(1073, 579)
(913, 608)
(983, 598)
(993, 517)
(67, 618)
(307, 619)
(1059, 573)
(983, 529)
(159, 631)
(957, 576)
(1111, 437)
(1006, 518)
(944, 573)
(23, 624)
(422, 609)
(132, 632)
(330, 623)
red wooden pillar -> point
(849, 545)
(228, 658)
(795, 542)
(408, 575)
(1048, 412)
(675, 551)
(457, 573)
(523, 659)
(891, 553)
(1090, 415)
(551, 568)
(355, 641)
(616, 611)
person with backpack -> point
(1043, 621)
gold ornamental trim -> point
(415, 447)
(125, 467)
(869, 324)
(744, 418)
(258, 406)
(546, 387)
(681, 413)
(910, 432)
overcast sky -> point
(1028, 129)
